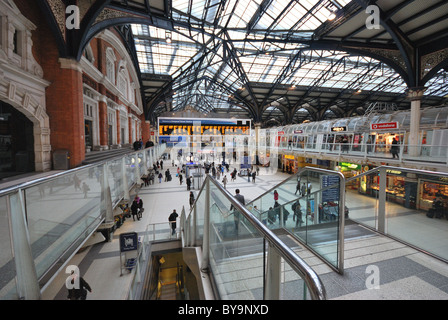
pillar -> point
(415, 95)
(102, 112)
(119, 137)
(145, 129)
(65, 109)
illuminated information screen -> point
(189, 127)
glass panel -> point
(361, 199)
(305, 204)
(60, 211)
(115, 178)
(418, 199)
(8, 289)
(235, 247)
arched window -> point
(110, 64)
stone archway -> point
(21, 80)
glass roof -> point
(230, 45)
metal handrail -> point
(310, 277)
(293, 177)
(399, 169)
(54, 176)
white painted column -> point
(415, 95)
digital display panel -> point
(190, 127)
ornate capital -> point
(416, 93)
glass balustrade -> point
(44, 222)
(409, 205)
(246, 260)
(307, 205)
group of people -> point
(138, 144)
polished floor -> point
(401, 271)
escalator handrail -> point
(310, 277)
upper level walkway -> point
(402, 272)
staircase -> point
(97, 156)
(168, 291)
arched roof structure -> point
(274, 61)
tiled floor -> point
(402, 272)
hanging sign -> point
(384, 126)
(339, 129)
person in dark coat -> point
(172, 219)
(395, 149)
(191, 199)
(136, 208)
(189, 183)
(81, 292)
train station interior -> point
(215, 150)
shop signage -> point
(385, 125)
(128, 241)
(290, 157)
(298, 131)
(350, 165)
(280, 133)
(339, 129)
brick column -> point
(65, 109)
(145, 129)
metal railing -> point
(230, 247)
(45, 221)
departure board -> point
(190, 127)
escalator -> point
(169, 278)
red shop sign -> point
(385, 125)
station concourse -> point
(345, 98)
(407, 273)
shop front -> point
(290, 164)
(429, 188)
(350, 170)
(401, 187)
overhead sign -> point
(339, 129)
(384, 126)
(280, 133)
(128, 241)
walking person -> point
(78, 287)
(189, 183)
(224, 181)
(275, 195)
(254, 174)
(172, 219)
(160, 177)
(136, 207)
(85, 189)
(180, 178)
(191, 200)
(298, 187)
(236, 214)
(303, 190)
(395, 149)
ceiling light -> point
(168, 36)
